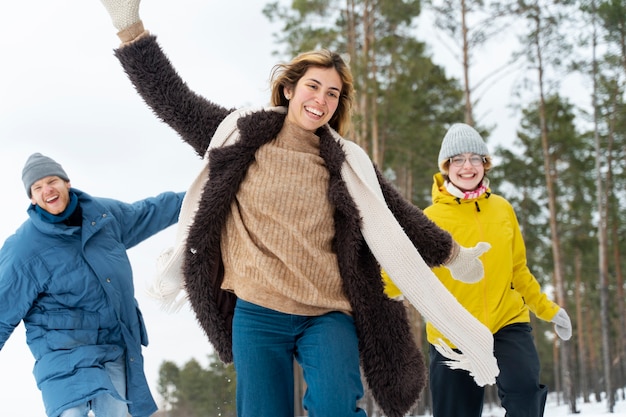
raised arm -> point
(192, 116)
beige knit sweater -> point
(277, 243)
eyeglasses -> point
(475, 160)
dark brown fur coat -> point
(391, 362)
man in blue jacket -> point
(65, 273)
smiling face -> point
(51, 194)
(315, 98)
(468, 176)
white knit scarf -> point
(385, 238)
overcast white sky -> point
(63, 93)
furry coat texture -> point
(391, 362)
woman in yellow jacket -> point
(464, 206)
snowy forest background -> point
(543, 81)
(564, 171)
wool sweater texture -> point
(277, 249)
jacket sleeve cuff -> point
(132, 33)
(454, 252)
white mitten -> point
(466, 266)
(562, 324)
(124, 13)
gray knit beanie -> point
(39, 166)
(459, 139)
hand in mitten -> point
(562, 324)
(125, 17)
(124, 13)
(466, 266)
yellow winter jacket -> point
(508, 290)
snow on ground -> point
(591, 409)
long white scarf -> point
(385, 238)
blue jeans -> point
(104, 405)
(455, 394)
(265, 343)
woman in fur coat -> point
(283, 236)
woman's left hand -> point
(562, 324)
(466, 266)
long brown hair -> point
(288, 75)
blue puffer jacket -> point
(73, 287)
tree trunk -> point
(550, 174)
(469, 118)
(594, 361)
(299, 389)
(377, 155)
(621, 309)
(580, 331)
(602, 239)
(557, 366)
(611, 205)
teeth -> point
(315, 112)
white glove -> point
(562, 324)
(124, 13)
(466, 266)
